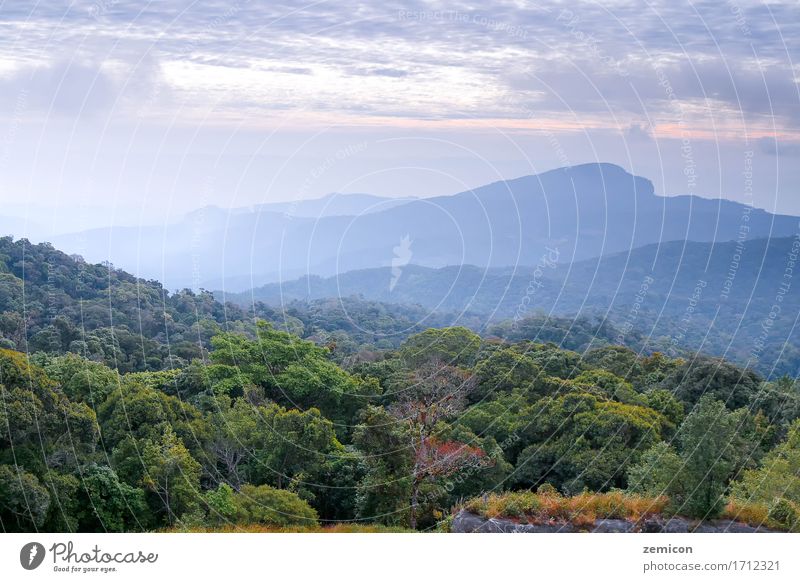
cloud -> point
(638, 132)
(599, 62)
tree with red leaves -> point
(436, 393)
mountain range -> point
(578, 212)
(719, 298)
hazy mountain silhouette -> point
(581, 211)
(713, 297)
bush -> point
(221, 505)
(785, 513)
(266, 505)
(755, 514)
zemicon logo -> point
(31, 555)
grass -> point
(260, 528)
(579, 510)
(549, 507)
(758, 514)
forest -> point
(126, 408)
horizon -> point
(24, 211)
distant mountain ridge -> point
(581, 211)
(713, 297)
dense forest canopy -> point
(127, 408)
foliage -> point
(23, 500)
(187, 414)
(269, 506)
(452, 346)
(580, 440)
(695, 478)
(778, 479)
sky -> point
(122, 112)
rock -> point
(613, 526)
(466, 522)
(652, 525)
(705, 528)
(676, 525)
(730, 526)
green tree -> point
(712, 445)
(503, 371)
(452, 346)
(382, 442)
(38, 420)
(580, 440)
(777, 478)
(164, 467)
(295, 448)
(108, 504)
(82, 380)
(23, 500)
(290, 371)
(714, 377)
(265, 505)
(140, 412)
(220, 504)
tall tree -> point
(435, 393)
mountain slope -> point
(714, 297)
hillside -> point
(712, 297)
(55, 303)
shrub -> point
(785, 513)
(221, 505)
(755, 514)
(266, 505)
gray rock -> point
(613, 526)
(676, 525)
(705, 528)
(651, 525)
(730, 526)
(466, 522)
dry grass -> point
(754, 514)
(757, 514)
(581, 510)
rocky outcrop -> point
(466, 522)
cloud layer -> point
(123, 103)
(727, 66)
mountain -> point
(581, 212)
(720, 298)
(334, 204)
(190, 252)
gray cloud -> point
(638, 132)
